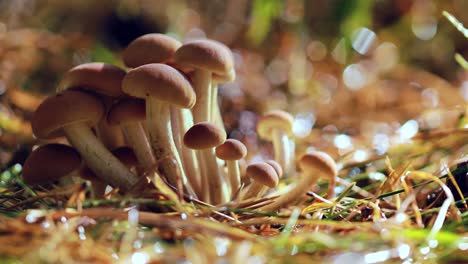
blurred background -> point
(357, 75)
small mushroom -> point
(73, 113)
(314, 165)
(50, 162)
(207, 58)
(205, 136)
(232, 151)
(162, 86)
(129, 113)
(275, 126)
(262, 174)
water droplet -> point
(408, 130)
(303, 124)
(424, 28)
(316, 50)
(363, 40)
(355, 77)
(343, 141)
(140, 258)
(403, 251)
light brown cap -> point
(231, 149)
(161, 81)
(262, 173)
(63, 109)
(150, 48)
(98, 77)
(276, 119)
(318, 161)
(50, 162)
(204, 135)
(208, 55)
(276, 166)
(128, 110)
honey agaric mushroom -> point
(50, 162)
(150, 48)
(129, 113)
(232, 151)
(106, 80)
(275, 126)
(162, 86)
(262, 174)
(73, 112)
(207, 58)
(314, 165)
(159, 48)
(205, 136)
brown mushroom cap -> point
(204, 135)
(127, 110)
(209, 55)
(318, 161)
(126, 155)
(161, 81)
(276, 166)
(231, 149)
(150, 48)
(276, 119)
(263, 173)
(50, 162)
(63, 109)
(98, 77)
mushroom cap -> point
(276, 119)
(150, 48)
(128, 110)
(50, 162)
(231, 149)
(276, 166)
(204, 135)
(161, 81)
(98, 77)
(63, 109)
(126, 155)
(208, 55)
(263, 173)
(318, 161)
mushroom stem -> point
(254, 190)
(111, 136)
(295, 193)
(182, 120)
(215, 109)
(233, 174)
(98, 158)
(219, 193)
(162, 141)
(282, 148)
(202, 86)
(136, 137)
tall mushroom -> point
(73, 112)
(206, 58)
(161, 86)
(232, 151)
(205, 136)
(129, 113)
(275, 126)
(50, 162)
(314, 165)
(106, 80)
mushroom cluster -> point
(161, 115)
